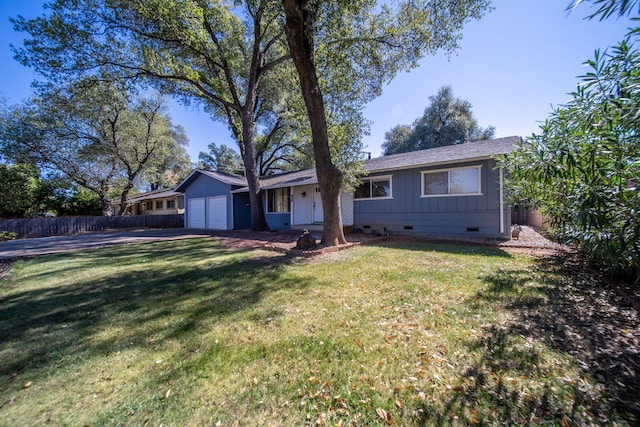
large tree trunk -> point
(258, 220)
(300, 36)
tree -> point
(608, 8)
(221, 159)
(18, 190)
(583, 169)
(216, 54)
(93, 133)
(347, 50)
(446, 121)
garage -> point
(217, 212)
(196, 213)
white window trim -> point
(380, 178)
(478, 193)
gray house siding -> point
(409, 213)
(205, 187)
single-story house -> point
(157, 202)
(456, 190)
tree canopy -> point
(446, 121)
(220, 159)
(94, 133)
(218, 54)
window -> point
(171, 204)
(378, 187)
(149, 206)
(159, 205)
(451, 182)
(180, 202)
(278, 200)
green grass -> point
(189, 332)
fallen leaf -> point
(166, 396)
(398, 403)
(385, 416)
(28, 384)
(381, 413)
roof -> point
(227, 178)
(287, 179)
(479, 150)
(150, 195)
(470, 151)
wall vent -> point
(408, 227)
(474, 229)
(366, 226)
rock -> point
(306, 241)
(515, 232)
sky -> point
(514, 66)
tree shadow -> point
(571, 310)
(38, 328)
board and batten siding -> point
(410, 214)
(204, 187)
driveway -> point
(56, 244)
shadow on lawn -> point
(41, 328)
(571, 310)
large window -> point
(451, 182)
(171, 204)
(374, 188)
(278, 200)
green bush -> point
(582, 171)
(7, 235)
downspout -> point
(501, 201)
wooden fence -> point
(42, 227)
(527, 216)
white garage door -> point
(217, 212)
(196, 213)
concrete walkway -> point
(50, 245)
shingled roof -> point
(227, 178)
(479, 150)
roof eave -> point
(430, 164)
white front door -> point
(318, 213)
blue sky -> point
(514, 66)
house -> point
(455, 190)
(157, 202)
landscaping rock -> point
(306, 241)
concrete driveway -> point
(56, 244)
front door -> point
(318, 213)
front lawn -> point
(190, 332)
